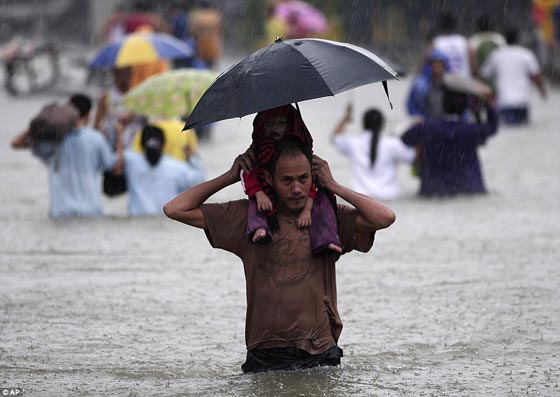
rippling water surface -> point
(459, 297)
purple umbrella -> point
(303, 18)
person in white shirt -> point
(454, 45)
(374, 157)
(154, 178)
(485, 40)
(513, 69)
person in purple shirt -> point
(447, 148)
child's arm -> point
(303, 220)
(264, 204)
(253, 188)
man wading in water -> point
(292, 318)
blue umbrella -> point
(140, 48)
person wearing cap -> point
(153, 177)
(74, 154)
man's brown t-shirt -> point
(291, 295)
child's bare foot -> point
(259, 235)
(335, 248)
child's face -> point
(275, 127)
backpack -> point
(53, 122)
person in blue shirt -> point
(448, 149)
(76, 159)
(426, 92)
(154, 178)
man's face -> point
(291, 182)
(438, 69)
(275, 127)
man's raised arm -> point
(373, 215)
(186, 206)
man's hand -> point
(263, 202)
(246, 160)
(125, 118)
(321, 172)
(240, 163)
(22, 140)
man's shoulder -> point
(91, 134)
(233, 208)
(345, 210)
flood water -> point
(459, 297)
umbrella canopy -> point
(140, 48)
(303, 18)
(287, 72)
(169, 95)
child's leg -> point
(257, 225)
(323, 233)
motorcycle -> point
(31, 66)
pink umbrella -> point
(303, 19)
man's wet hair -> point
(82, 103)
(291, 146)
(511, 35)
(447, 22)
(485, 24)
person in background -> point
(485, 40)
(205, 23)
(152, 177)
(75, 160)
(454, 45)
(426, 94)
(178, 144)
(448, 149)
(180, 29)
(111, 112)
(374, 157)
(514, 68)
(144, 71)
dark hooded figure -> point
(450, 164)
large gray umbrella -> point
(285, 72)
